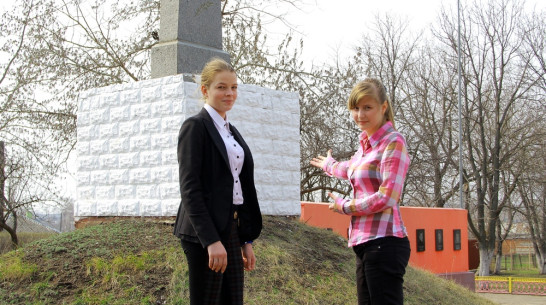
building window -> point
(439, 239)
(457, 239)
(420, 240)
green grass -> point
(138, 262)
(522, 266)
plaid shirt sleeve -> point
(393, 168)
(336, 169)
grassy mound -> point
(138, 262)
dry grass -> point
(135, 262)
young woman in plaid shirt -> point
(376, 172)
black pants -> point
(209, 287)
(380, 268)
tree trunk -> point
(498, 258)
(542, 266)
(2, 183)
(486, 256)
(540, 260)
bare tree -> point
(428, 120)
(531, 189)
(20, 188)
(497, 82)
(58, 48)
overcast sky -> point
(337, 25)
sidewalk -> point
(514, 299)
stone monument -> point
(190, 34)
(127, 133)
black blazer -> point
(206, 185)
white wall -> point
(127, 137)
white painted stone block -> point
(82, 148)
(192, 90)
(150, 207)
(98, 147)
(140, 111)
(163, 141)
(108, 161)
(99, 116)
(83, 119)
(193, 107)
(271, 161)
(151, 83)
(169, 157)
(88, 163)
(125, 192)
(119, 145)
(162, 108)
(150, 125)
(262, 146)
(281, 177)
(290, 191)
(109, 130)
(172, 90)
(128, 97)
(94, 102)
(106, 207)
(140, 143)
(99, 177)
(119, 176)
(263, 176)
(88, 133)
(170, 124)
(86, 192)
(85, 208)
(178, 107)
(150, 94)
(161, 174)
(128, 129)
(150, 158)
(169, 190)
(139, 176)
(104, 192)
(120, 114)
(129, 160)
(109, 100)
(83, 178)
(170, 207)
(130, 207)
(127, 138)
(147, 191)
(283, 148)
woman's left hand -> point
(249, 259)
(333, 204)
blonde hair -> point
(213, 67)
(371, 87)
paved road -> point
(515, 299)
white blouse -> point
(236, 154)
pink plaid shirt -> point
(376, 172)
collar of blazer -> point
(217, 139)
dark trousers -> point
(209, 287)
(380, 268)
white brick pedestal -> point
(127, 138)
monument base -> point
(465, 279)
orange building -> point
(438, 237)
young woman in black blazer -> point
(219, 215)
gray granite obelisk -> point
(190, 34)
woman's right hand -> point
(320, 161)
(217, 257)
